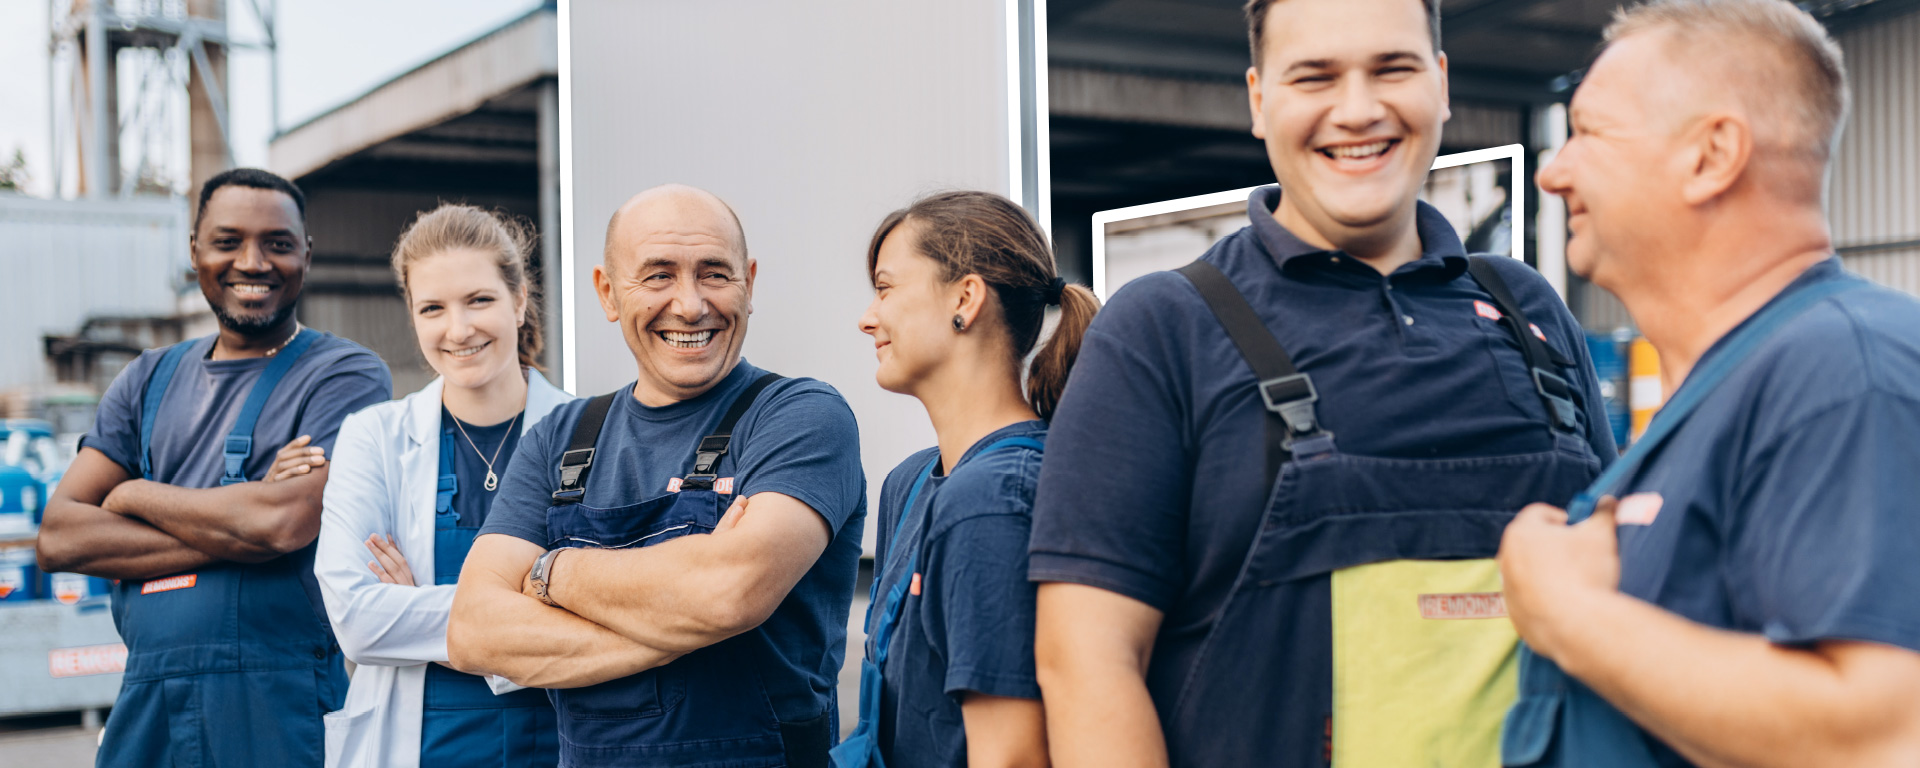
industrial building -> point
(476, 125)
(1072, 107)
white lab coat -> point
(381, 479)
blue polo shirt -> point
(798, 439)
(1785, 506)
(1154, 482)
(970, 627)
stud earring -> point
(959, 325)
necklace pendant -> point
(493, 481)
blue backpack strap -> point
(861, 748)
(449, 484)
(883, 634)
(1552, 705)
(157, 383)
(1701, 383)
(240, 441)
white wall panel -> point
(64, 261)
(813, 120)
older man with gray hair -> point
(1740, 589)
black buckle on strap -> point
(1293, 398)
(573, 464)
(1558, 395)
(707, 456)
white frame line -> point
(569, 336)
(1016, 167)
(1513, 152)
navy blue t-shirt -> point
(333, 378)
(470, 463)
(798, 439)
(1154, 480)
(1786, 505)
(970, 630)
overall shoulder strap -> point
(448, 483)
(1288, 394)
(157, 383)
(578, 458)
(706, 458)
(1542, 361)
(240, 441)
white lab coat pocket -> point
(347, 733)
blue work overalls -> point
(1558, 721)
(234, 664)
(462, 722)
(709, 708)
(1393, 555)
(862, 747)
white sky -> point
(330, 52)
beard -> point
(253, 326)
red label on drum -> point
(169, 584)
(1463, 605)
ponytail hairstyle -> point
(507, 239)
(981, 233)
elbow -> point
(53, 552)
(276, 534)
(735, 606)
(462, 650)
(466, 642)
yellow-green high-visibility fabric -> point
(1425, 664)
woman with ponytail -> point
(962, 282)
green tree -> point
(14, 175)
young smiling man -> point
(676, 560)
(230, 660)
(1276, 481)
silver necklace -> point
(493, 480)
(271, 352)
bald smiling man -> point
(675, 560)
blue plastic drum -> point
(71, 588)
(21, 496)
(17, 572)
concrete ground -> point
(56, 741)
(47, 746)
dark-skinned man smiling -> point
(230, 660)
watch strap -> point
(542, 572)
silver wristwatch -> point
(542, 570)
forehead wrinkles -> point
(688, 243)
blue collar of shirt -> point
(1440, 247)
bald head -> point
(674, 212)
(1766, 60)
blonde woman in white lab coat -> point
(409, 484)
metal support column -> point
(96, 164)
(1550, 228)
(549, 148)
